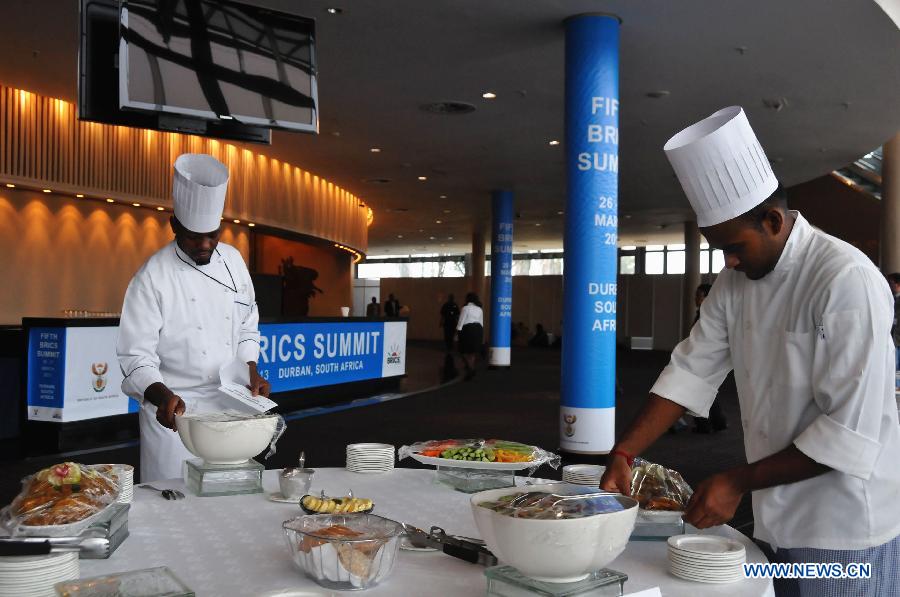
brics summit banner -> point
(73, 372)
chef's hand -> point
(617, 476)
(168, 404)
(714, 501)
(259, 386)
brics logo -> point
(393, 355)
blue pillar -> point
(501, 278)
(588, 398)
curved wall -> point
(44, 145)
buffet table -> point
(234, 545)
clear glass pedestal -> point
(473, 480)
(210, 480)
(506, 581)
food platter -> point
(476, 464)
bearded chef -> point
(804, 320)
(188, 311)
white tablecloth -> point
(223, 546)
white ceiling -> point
(836, 63)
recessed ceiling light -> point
(443, 196)
(399, 236)
(559, 213)
(110, 201)
(423, 178)
(46, 190)
(437, 221)
(160, 209)
(537, 224)
(237, 221)
(333, 10)
(430, 238)
(553, 142)
(251, 224)
(10, 185)
(449, 238)
(421, 230)
(488, 95)
(660, 93)
(335, 133)
(446, 211)
(375, 150)
(136, 204)
(79, 195)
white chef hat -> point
(198, 190)
(721, 166)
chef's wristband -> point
(628, 457)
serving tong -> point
(464, 548)
(169, 494)
(89, 543)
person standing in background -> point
(894, 282)
(449, 319)
(392, 307)
(373, 309)
(471, 332)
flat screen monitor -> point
(218, 60)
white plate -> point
(278, 497)
(694, 578)
(370, 447)
(737, 556)
(707, 574)
(712, 565)
(32, 562)
(710, 545)
(496, 466)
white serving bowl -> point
(222, 441)
(555, 551)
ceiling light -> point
(47, 190)
(430, 238)
(10, 185)
(79, 195)
(537, 224)
(553, 142)
(375, 150)
(559, 213)
(449, 238)
(488, 95)
(445, 196)
(446, 211)
(110, 201)
(399, 236)
(437, 221)
(251, 224)
(333, 10)
(136, 204)
(423, 178)
(160, 209)
(226, 117)
(237, 221)
(421, 230)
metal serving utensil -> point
(169, 494)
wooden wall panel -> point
(43, 144)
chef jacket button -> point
(228, 343)
(193, 299)
(204, 352)
(199, 327)
(228, 317)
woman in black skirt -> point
(471, 332)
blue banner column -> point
(501, 279)
(588, 398)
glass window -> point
(654, 262)
(704, 262)
(675, 247)
(718, 261)
(654, 247)
(674, 262)
(628, 248)
(626, 264)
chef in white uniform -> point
(804, 320)
(188, 311)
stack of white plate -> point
(370, 458)
(34, 576)
(126, 483)
(706, 558)
(583, 474)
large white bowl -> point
(225, 442)
(554, 550)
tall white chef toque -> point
(721, 166)
(198, 190)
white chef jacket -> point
(181, 322)
(810, 345)
(471, 313)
